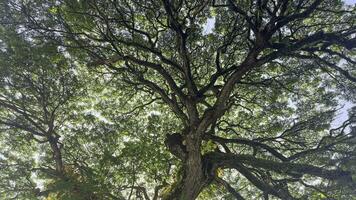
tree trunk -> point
(194, 179)
(57, 155)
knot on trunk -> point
(175, 144)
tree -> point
(247, 106)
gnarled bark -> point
(194, 177)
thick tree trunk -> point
(57, 155)
(191, 184)
(194, 178)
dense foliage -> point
(173, 99)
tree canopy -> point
(177, 100)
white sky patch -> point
(98, 115)
(350, 2)
(3, 46)
(209, 26)
(154, 112)
(342, 114)
(39, 182)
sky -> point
(350, 2)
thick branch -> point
(232, 160)
(250, 143)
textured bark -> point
(57, 155)
(194, 177)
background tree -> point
(247, 105)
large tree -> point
(233, 99)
